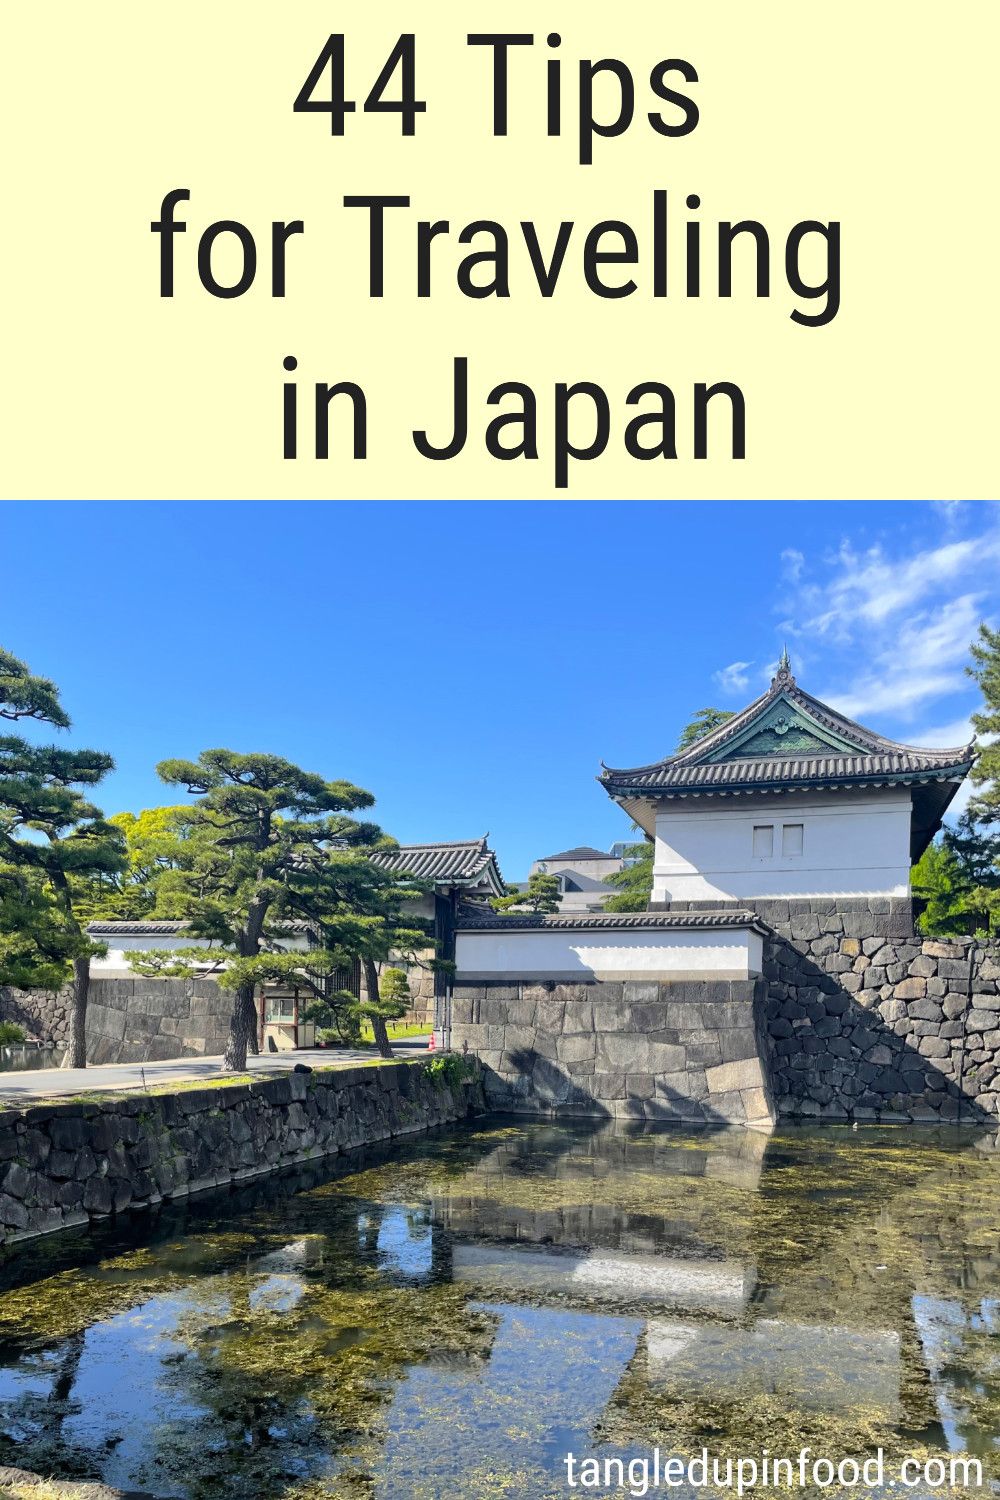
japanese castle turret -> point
(789, 801)
(776, 970)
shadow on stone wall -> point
(639, 1049)
(890, 1037)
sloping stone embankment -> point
(630, 1049)
(66, 1163)
(867, 1020)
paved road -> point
(45, 1083)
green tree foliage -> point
(937, 879)
(634, 883)
(37, 947)
(53, 842)
(702, 723)
(542, 895)
(272, 853)
(391, 933)
(393, 998)
(150, 883)
(25, 696)
(985, 668)
(959, 877)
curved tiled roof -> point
(612, 921)
(135, 929)
(781, 770)
(153, 928)
(861, 756)
(459, 862)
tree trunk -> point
(76, 1042)
(242, 1030)
(378, 1022)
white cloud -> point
(871, 588)
(734, 678)
(892, 629)
(792, 563)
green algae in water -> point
(458, 1315)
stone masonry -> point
(131, 1020)
(856, 1017)
(66, 1163)
(866, 1019)
(635, 1050)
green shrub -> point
(11, 1035)
(450, 1068)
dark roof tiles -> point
(642, 920)
(459, 862)
(584, 852)
(704, 765)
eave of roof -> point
(745, 777)
(701, 767)
(461, 863)
(135, 929)
(649, 921)
(583, 853)
(153, 928)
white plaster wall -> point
(854, 844)
(115, 963)
(529, 953)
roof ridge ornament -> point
(783, 676)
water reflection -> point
(456, 1315)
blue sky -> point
(471, 664)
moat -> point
(454, 1315)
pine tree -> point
(937, 881)
(54, 842)
(272, 852)
(634, 882)
(392, 998)
(702, 723)
(977, 841)
(985, 668)
(541, 896)
(37, 947)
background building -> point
(581, 873)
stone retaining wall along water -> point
(855, 1016)
(66, 1163)
(866, 1019)
(634, 1049)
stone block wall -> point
(147, 1020)
(131, 1020)
(634, 1050)
(44, 1014)
(868, 1020)
(67, 1163)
